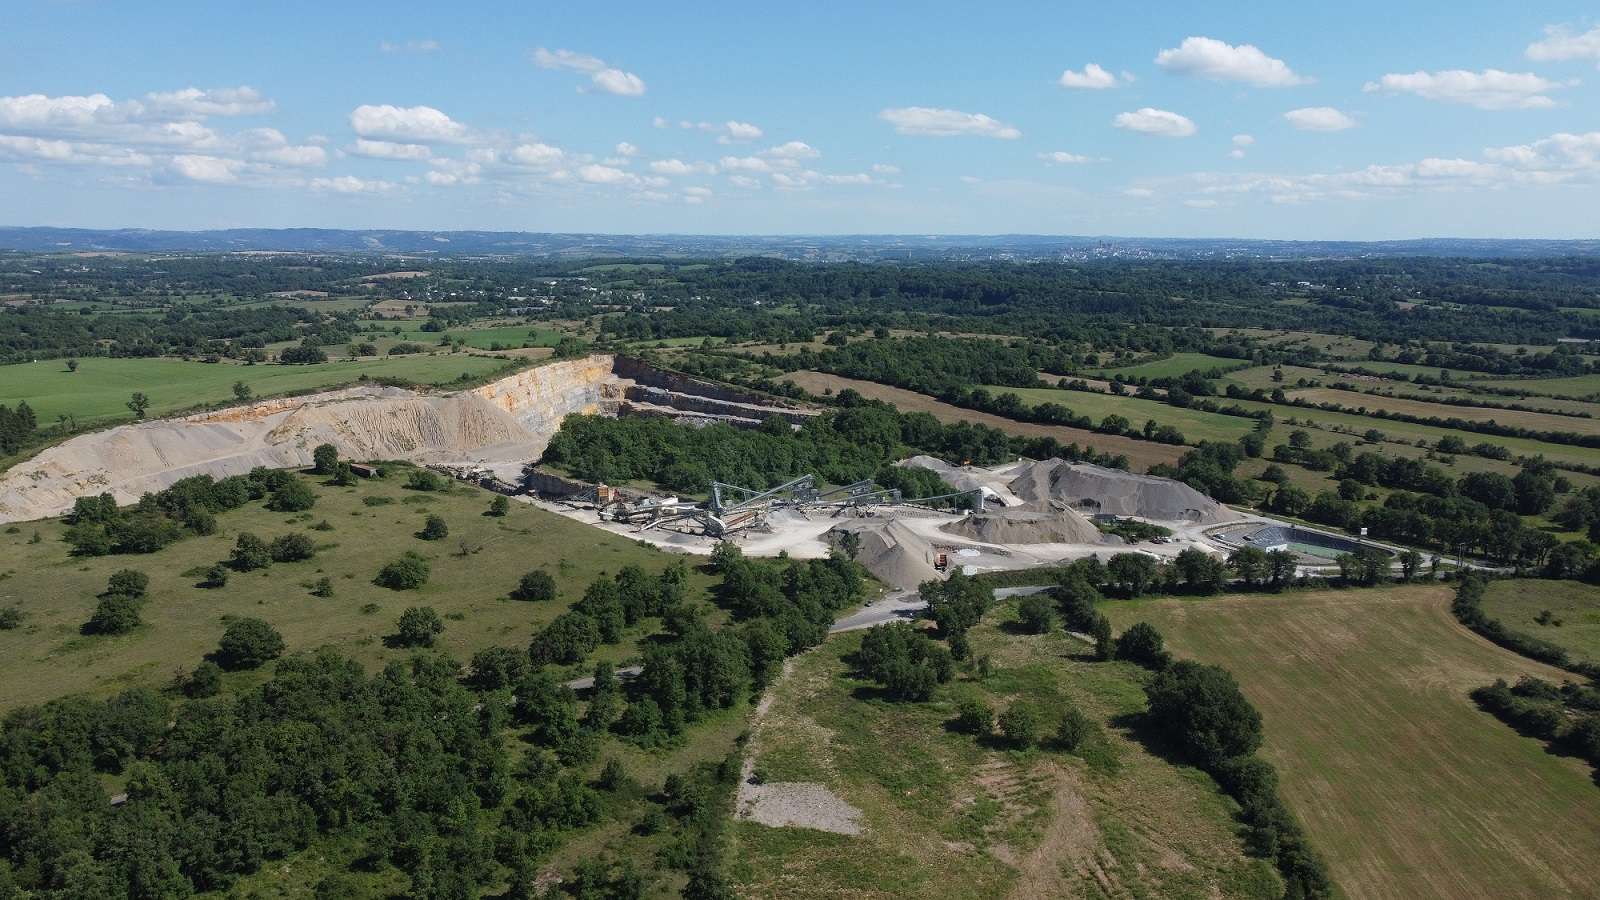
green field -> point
(947, 816)
(48, 658)
(1578, 386)
(1534, 421)
(1575, 605)
(1171, 367)
(100, 388)
(1404, 785)
(478, 338)
(1358, 424)
(1196, 425)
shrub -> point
(216, 577)
(418, 626)
(409, 572)
(115, 614)
(1020, 724)
(323, 588)
(434, 528)
(247, 643)
(130, 582)
(204, 681)
(424, 480)
(1201, 709)
(974, 716)
(1037, 613)
(294, 496)
(250, 553)
(1142, 644)
(494, 668)
(1073, 730)
(535, 586)
(499, 506)
(292, 547)
(10, 618)
(324, 458)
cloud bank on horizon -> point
(1298, 129)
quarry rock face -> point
(500, 425)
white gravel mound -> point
(1097, 489)
(892, 551)
(1015, 526)
(967, 478)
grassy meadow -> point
(948, 815)
(99, 390)
(1406, 787)
(48, 656)
(1574, 621)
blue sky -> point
(1354, 120)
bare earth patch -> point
(789, 804)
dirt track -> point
(1141, 454)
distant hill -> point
(820, 248)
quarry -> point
(1023, 514)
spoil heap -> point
(1096, 489)
(1019, 526)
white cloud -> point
(21, 148)
(1063, 158)
(660, 122)
(1155, 121)
(1561, 44)
(537, 156)
(885, 169)
(856, 178)
(792, 150)
(677, 167)
(745, 181)
(740, 131)
(349, 184)
(1243, 140)
(303, 156)
(421, 45)
(607, 78)
(208, 169)
(1200, 204)
(1563, 151)
(597, 174)
(407, 124)
(1434, 167)
(1220, 61)
(696, 194)
(936, 122)
(371, 149)
(626, 149)
(1319, 118)
(1092, 78)
(744, 164)
(195, 103)
(1139, 193)
(1489, 89)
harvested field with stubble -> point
(1404, 785)
(1141, 454)
(948, 815)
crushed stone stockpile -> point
(1015, 526)
(1116, 492)
(967, 478)
(508, 422)
(892, 551)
